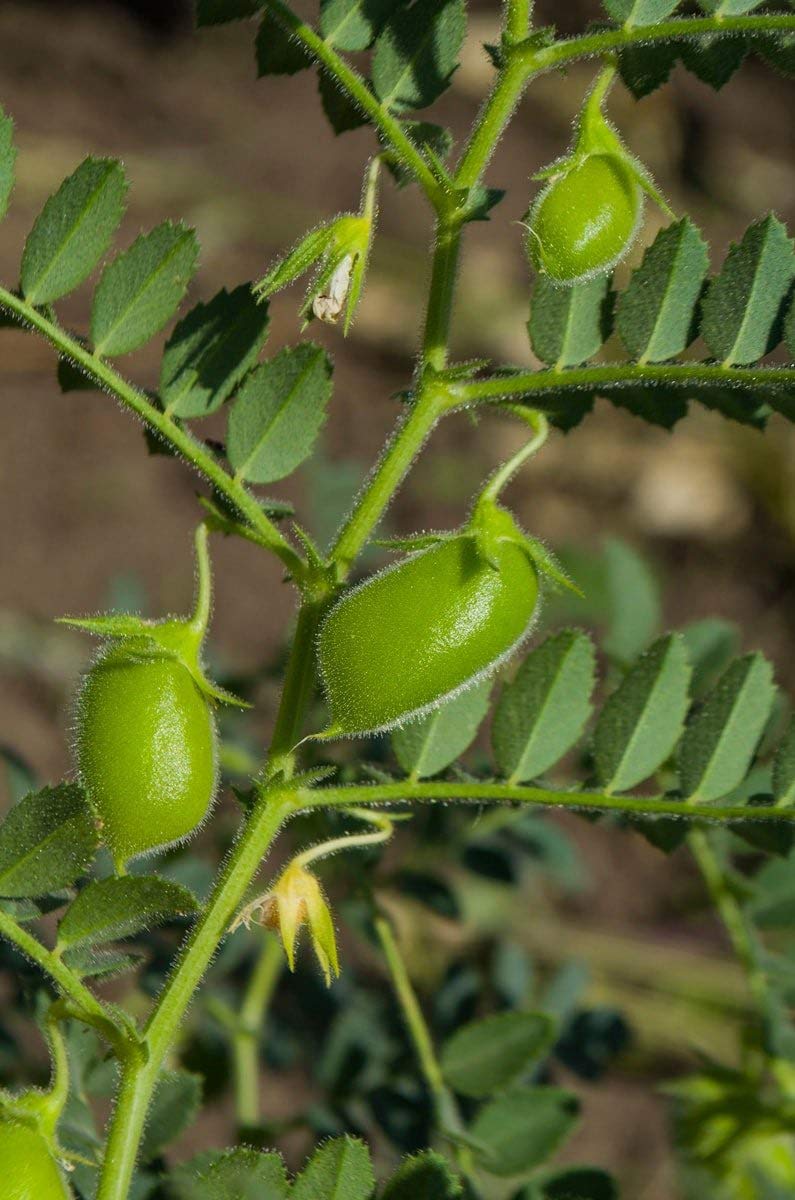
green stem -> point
(610, 375)
(173, 433)
(248, 1032)
(204, 584)
(299, 684)
(439, 313)
(447, 1116)
(508, 469)
(357, 89)
(139, 1078)
(67, 982)
(494, 116)
(591, 45)
(518, 14)
(504, 793)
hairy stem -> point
(248, 1033)
(356, 87)
(611, 375)
(67, 982)
(139, 1078)
(505, 793)
(165, 426)
(299, 683)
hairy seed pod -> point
(146, 748)
(422, 629)
(29, 1171)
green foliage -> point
(569, 325)
(277, 53)
(723, 735)
(784, 768)
(743, 306)
(417, 51)
(241, 1174)
(210, 351)
(46, 842)
(427, 746)
(73, 230)
(423, 1177)
(489, 1055)
(8, 156)
(656, 312)
(175, 1106)
(643, 719)
(139, 292)
(278, 414)
(354, 24)
(520, 1129)
(107, 909)
(341, 1168)
(640, 12)
(542, 712)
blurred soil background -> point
(88, 519)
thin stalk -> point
(185, 443)
(67, 982)
(493, 118)
(356, 87)
(504, 793)
(518, 14)
(247, 1037)
(439, 313)
(299, 684)
(508, 469)
(139, 1078)
(204, 583)
(611, 375)
(447, 1116)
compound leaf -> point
(542, 712)
(728, 8)
(339, 1169)
(568, 325)
(427, 746)
(278, 413)
(644, 68)
(743, 305)
(277, 52)
(210, 351)
(141, 289)
(488, 1055)
(640, 12)
(711, 645)
(652, 402)
(643, 719)
(655, 317)
(521, 1129)
(47, 841)
(239, 1174)
(720, 741)
(73, 230)
(425, 1176)
(175, 1106)
(784, 769)
(417, 52)
(119, 906)
(8, 156)
(714, 58)
(353, 25)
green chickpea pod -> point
(29, 1170)
(145, 730)
(436, 621)
(587, 217)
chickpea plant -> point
(687, 747)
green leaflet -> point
(655, 316)
(278, 414)
(277, 52)
(73, 230)
(568, 325)
(576, 1183)
(486, 1056)
(174, 1108)
(427, 746)
(239, 1174)
(654, 403)
(417, 51)
(784, 769)
(633, 602)
(711, 645)
(720, 741)
(742, 307)
(425, 1176)
(210, 351)
(342, 113)
(642, 721)
(542, 712)
(8, 155)
(640, 12)
(119, 906)
(142, 288)
(522, 1128)
(729, 8)
(714, 59)
(352, 25)
(426, 137)
(339, 1170)
(47, 841)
